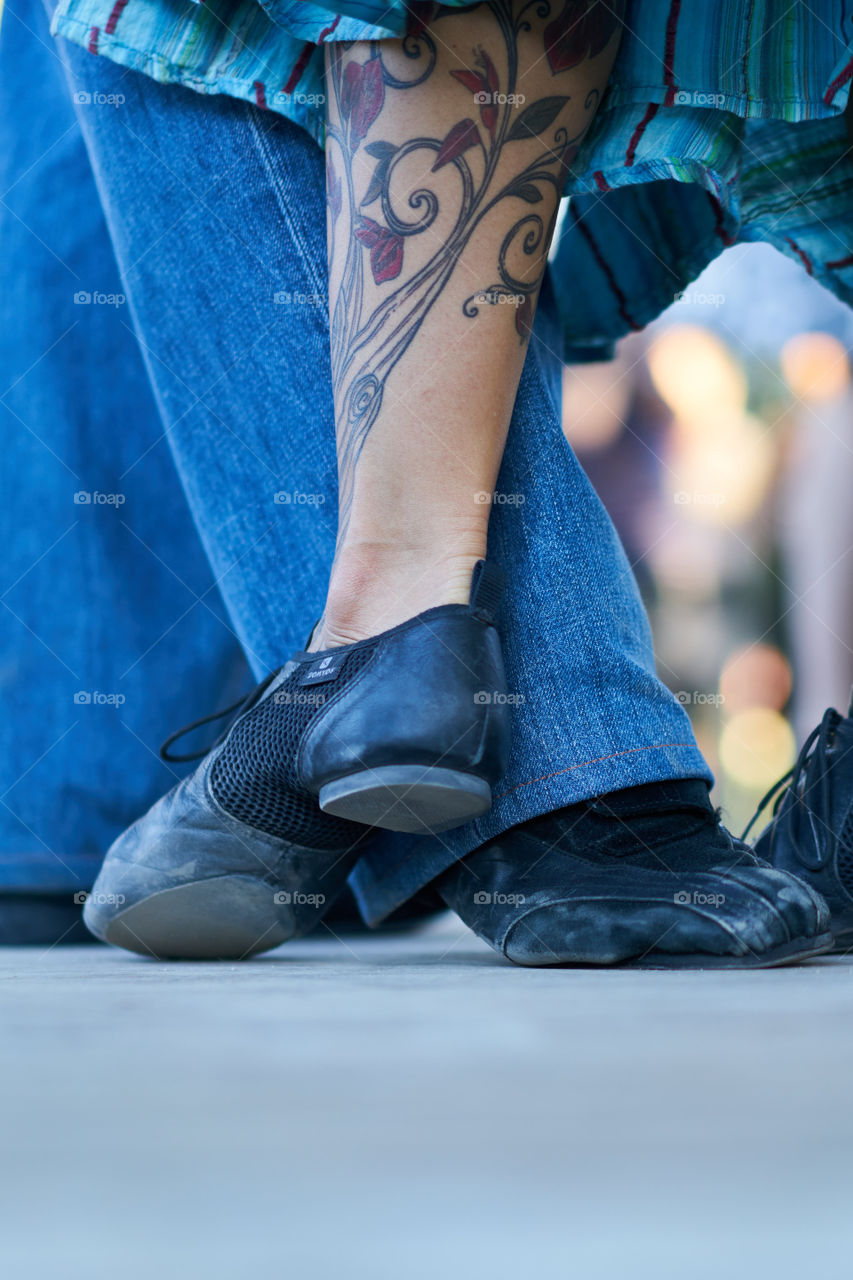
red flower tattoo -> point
(484, 85)
(581, 31)
(386, 249)
(362, 96)
(462, 136)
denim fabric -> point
(92, 613)
(200, 191)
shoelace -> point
(800, 786)
(233, 711)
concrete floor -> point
(412, 1107)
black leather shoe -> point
(811, 831)
(406, 730)
(416, 739)
(645, 877)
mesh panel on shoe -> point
(254, 778)
(845, 854)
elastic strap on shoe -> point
(487, 588)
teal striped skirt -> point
(723, 122)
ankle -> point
(375, 586)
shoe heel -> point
(407, 797)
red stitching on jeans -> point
(657, 746)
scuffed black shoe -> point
(644, 877)
(406, 730)
(811, 831)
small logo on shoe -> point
(324, 670)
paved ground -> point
(413, 1107)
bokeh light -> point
(695, 374)
(815, 366)
(719, 473)
(595, 404)
(756, 747)
(756, 675)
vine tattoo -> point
(368, 339)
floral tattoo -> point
(368, 340)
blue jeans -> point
(215, 212)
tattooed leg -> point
(446, 155)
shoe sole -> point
(788, 953)
(413, 798)
(225, 918)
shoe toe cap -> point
(717, 916)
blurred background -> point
(720, 441)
